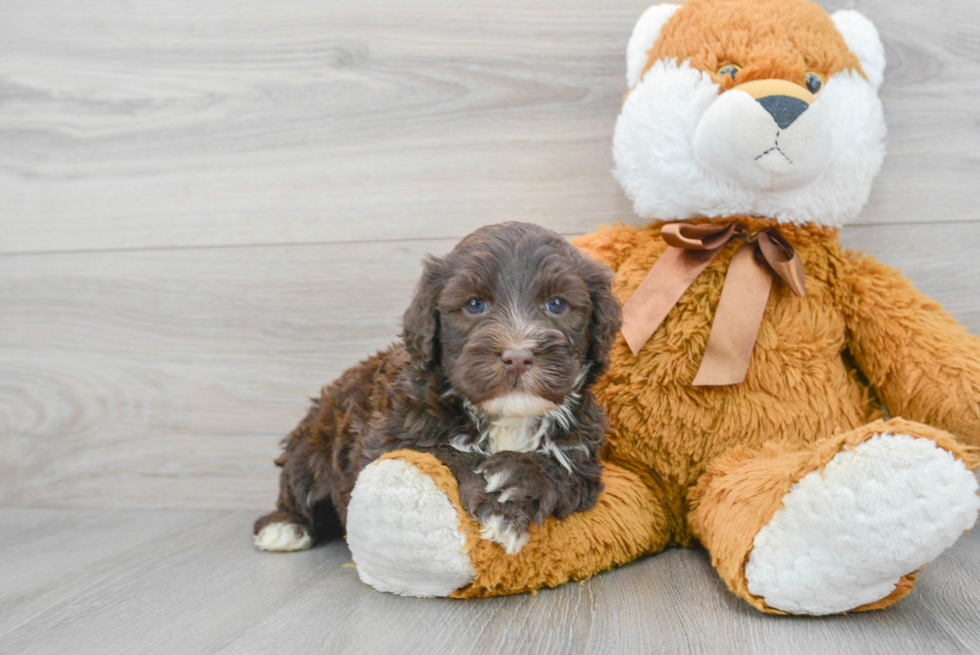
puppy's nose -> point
(517, 361)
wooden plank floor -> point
(164, 581)
(208, 209)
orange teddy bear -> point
(747, 396)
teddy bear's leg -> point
(409, 534)
(842, 526)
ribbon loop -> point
(743, 296)
(783, 260)
(703, 236)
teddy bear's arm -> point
(923, 363)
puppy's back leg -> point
(282, 532)
(290, 527)
(321, 460)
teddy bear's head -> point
(753, 107)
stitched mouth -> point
(775, 147)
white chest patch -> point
(519, 433)
(522, 423)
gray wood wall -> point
(208, 209)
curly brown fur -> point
(523, 444)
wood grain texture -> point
(166, 378)
(196, 585)
(192, 362)
(147, 125)
(48, 557)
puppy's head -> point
(516, 318)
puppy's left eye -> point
(556, 306)
(476, 306)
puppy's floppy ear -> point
(420, 325)
(607, 315)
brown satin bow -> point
(743, 297)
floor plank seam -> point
(383, 240)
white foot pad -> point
(283, 537)
(404, 533)
(846, 536)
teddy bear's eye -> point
(730, 70)
(813, 82)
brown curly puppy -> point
(500, 345)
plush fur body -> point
(524, 445)
(762, 112)
(862, 339)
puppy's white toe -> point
(404, 532)
(496, 480)
(494, 528)
(283, 537)
(846, 535)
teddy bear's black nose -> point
(783, 109)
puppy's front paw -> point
(514, 478)
(507, 526)
(502, 523)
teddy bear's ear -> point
(862, 39)
(644, 35)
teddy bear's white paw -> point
(404, 532)
(846, 536)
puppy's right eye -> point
(556, 305)
(475, 306)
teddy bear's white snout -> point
(771, 143)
